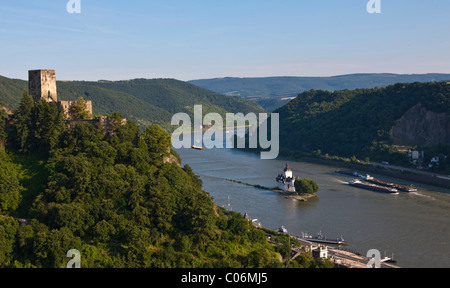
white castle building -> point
(286, 180)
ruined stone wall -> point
(68, 104)
(42, 86)
(89, 106)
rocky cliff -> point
(419, 126)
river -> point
(412, 227)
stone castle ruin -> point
(42, 86)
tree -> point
(3, 134)
(22, 124)
(50, 124)
(285, 250)
(103, 231)
(304, 260)
(78, 110)
(74, 216)
(10, 188)
(128, 132)
(260, 258)
(158, 141)
(306, 186)
(8, 230)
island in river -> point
(302, 197)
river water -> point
(412, 227)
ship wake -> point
(340, 181)
(422, 195)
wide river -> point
(413, 227)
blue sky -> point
(196, 39)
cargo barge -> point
(402, 188)
(322, 239)
(368, 178)
(373, 187)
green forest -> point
(121, 199)
(357, 123)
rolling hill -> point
(274, 92)
(148, 101)
(367, 122)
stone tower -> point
(42, 85)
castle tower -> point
(287, 171)
(42, 85)
(286, 180)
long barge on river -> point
(370, 179)
(373, 187)
(392, 185)
(322, 239)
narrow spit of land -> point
(302, 197)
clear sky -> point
(196, 39)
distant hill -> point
(366, 122)
(274, 92)
(11, 91)
(145, 100)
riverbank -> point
(399, 173)
(302, 197)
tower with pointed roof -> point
(286, 180)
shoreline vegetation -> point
(302, 197)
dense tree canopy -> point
(120, 198)
(10, 187)
(355, 122)
(306, 186)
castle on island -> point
(42, 87)
(286, 180)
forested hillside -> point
(121, 199)
(148, 101)
(359, 122)
(11, 91)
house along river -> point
(412, 227)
